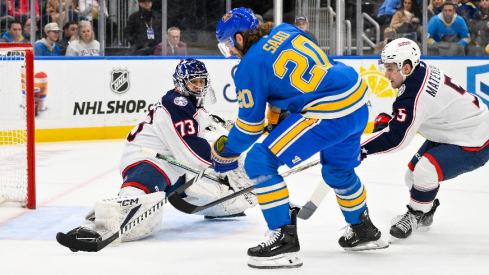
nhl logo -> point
(119, 82)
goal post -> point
(17, 125)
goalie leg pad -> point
(205, 191)
(107, 219)
(133, 207)
(110, 214)
(239, 180)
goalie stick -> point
(125, 227)
(179, 203)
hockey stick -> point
(79, 245)
(180, 204)
(179, 164)
(312, 205)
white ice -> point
(71, 176)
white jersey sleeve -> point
(431, 103)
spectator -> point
(407, 18)
(27, 31)
(84, 43)
(481, 19)
(47, 46)
(69, 33)
(53, 7)
(448, 26)
(174, 46)
(386, 11)
(302, 23)
(20, 9)
(434, 8)
(466, 9)
(483, 11)
(13, 33)
(89, 9)
(389, 35)
(143, 29)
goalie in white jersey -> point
(180, 128)
(454, 122)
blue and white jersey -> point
(433, 104)
(174, 128)
(454, 31)
(289, 71)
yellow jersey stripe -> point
(274, 196)
(351, 209)
(249, 127)
(354, 202)
(292, 134)
(341, 104)
(274, 204)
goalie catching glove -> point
(221, 160)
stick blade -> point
(75, 244)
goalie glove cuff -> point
(221, 160)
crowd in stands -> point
(455, 27)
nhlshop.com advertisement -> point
(104, 98)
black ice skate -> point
(413, 220)
(280, 249)
(363, 236)
(84, 234)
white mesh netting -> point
(13, 124)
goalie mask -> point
(233, 22)
(186, 71)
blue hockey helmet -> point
(236, 20)
(187, 70)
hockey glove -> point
(274, 117)
(226, 124)
(363, 153)
(381, 122)
(221, 160)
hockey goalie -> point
(178, 127)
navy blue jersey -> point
(174, 128)
(433, 104)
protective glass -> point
(225, 47)
(389, 69)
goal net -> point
(17, 111)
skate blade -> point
(424, 228)
(374, 245)
(287, 260)
(393, 240)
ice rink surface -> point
(71, 176)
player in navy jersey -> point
(454, 122)
(281, 66)
(179, 127)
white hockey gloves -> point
(217, 127)
(206, 191)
